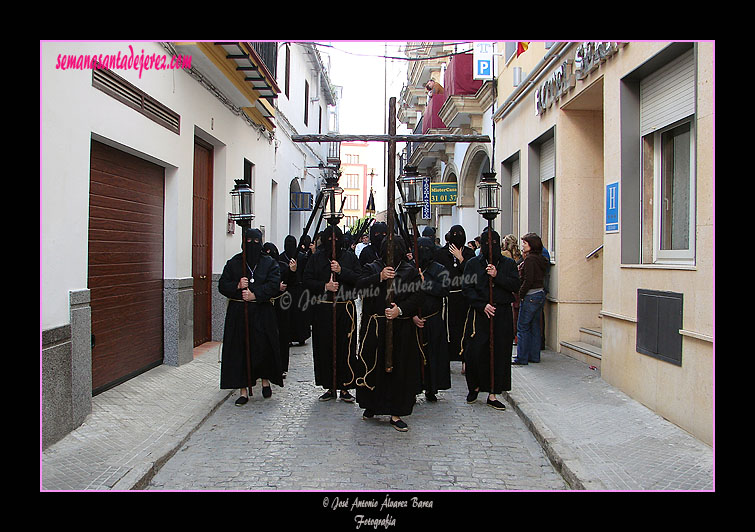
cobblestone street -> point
(292, 441)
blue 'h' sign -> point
(612, 207)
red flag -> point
(521, 47)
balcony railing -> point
(268, 52)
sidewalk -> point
(596, 436)
(601, 439)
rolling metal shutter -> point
(668, 94)
(515, 172)
(548, 159)
(125, 265)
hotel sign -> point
(587, 57)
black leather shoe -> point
(431, 397)
(241, 401)
(368, 414)
(346, 396)
(399, 425)
(496, 404)
(266, 391)
(327, 396)
(472, 397)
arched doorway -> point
(476, 162)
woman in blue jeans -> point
(532, 296)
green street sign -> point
(443, 193)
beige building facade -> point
(606, 150)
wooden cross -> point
(391, 138)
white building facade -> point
(137, 159)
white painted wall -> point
(73, 112)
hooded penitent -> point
(399, 250)
(484, 248)
(270, 249)
(327, 240)
(426, 250)
(253, 246)
(304, 242)
(289, 247)
(378, 230)
(457, 236)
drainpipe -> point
(554, 55)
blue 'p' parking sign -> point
(484, 67)
(612, 208)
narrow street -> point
(292, 441)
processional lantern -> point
(242, 211)
(411, 189)
(332, 196)
(489, 196)
(489, 208)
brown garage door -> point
(125, 265)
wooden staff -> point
(246, 310)
(391, 215)
(333, 278)
(490, 291)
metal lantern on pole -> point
(489, 196)
(333, 199)
(333, 212)
(489, 208)
(410, 187)
(241, 203)
(242, 213)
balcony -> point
(244, 72)
(466, 98)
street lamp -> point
(242, 213)
(489, 208)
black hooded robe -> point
(282, 303)
(316, 276)
(300, 314)
(477, 340)
(456, 305)
(264, 281)
(391, 393)
(433, 335)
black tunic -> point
(456, 305)
(299, 315)
(433, 334)
(263, 330)
(389, 393)
(315, 297)
(283, 309)
(476, 341)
